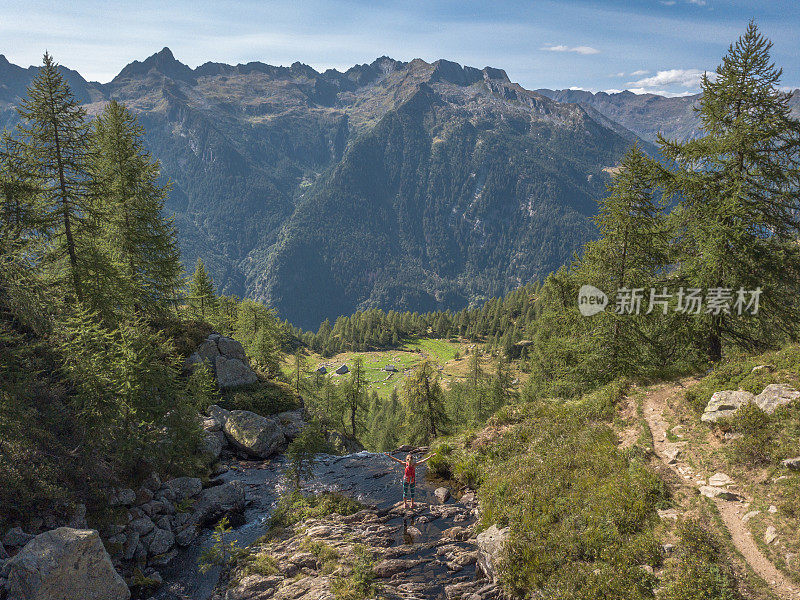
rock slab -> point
(65, 564)
(256, 435)
(490, 546)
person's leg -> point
(412, 490)
(405, 495)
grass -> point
(441, 352)
(263, 398)
(295, 507)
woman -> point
(409, 476)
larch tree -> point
(426, 417)
(57, 140)
(201, 290)
(740, 189)
(139, 238)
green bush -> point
(754, 444)
(360, 584)
(295, 507)
(697, 573)
(263, 398)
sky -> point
(660, 46)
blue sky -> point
(642, 45)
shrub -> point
(295, 507)
(263, 398)
(696, 573)
(360, 583)
(754, 444)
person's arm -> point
(397, 460)
(430, 456)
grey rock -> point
(186, 536)
(442, 494)
(770, 535)
(792, 463)
(219, 501)
(129, 548)
(710, 491)
(256, 435)
(230, 348)
(232, 372)
(724, 404)
(143, 496)
(220, 415)
(153, 482)
(490, 546)
(184, 487)
(65, 564)
(719, 480)
(292, 422)
(162, 560)
(142, 526)
(213, 442)
(210, 424)
(15, 537)
(763, 369)
(775, 396)
(159, 541)
(163, 522)
(121, 497)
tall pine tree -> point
(739, 183)
(140, 240)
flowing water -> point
(372, 479)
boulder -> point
(792, 463)
(232, 372)
(292, 422)
(121, 497)
(213, 443)
(763, 369)
(719, 479)
(713, 492)
(186, 536)
(724, 404)
(442, 494)
(15, 537)
(775, 396)
(65, 564)
(258, 436)
(159, 541)
(490, 546)
(219, 501)
(230, 348)
(142, 525)
(219, 415)
(184, 487)
(770, 535)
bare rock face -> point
(256, 435)
(233, 372)
(727, 402)
(65, 564)
(230, 348)
(490, 546)
(184, 487)
(724, 404)
(219, 501)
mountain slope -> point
(401, 185)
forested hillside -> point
(410, 186)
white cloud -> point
(576, 49)
(698, 2)
(668, 2)
(639, 73)
(666, 93)
(688, 78)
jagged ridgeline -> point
(409, 186)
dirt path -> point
(655, 403)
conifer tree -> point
(201, 291)
(739, 183)
(355, 397)
(57, 140)
(139, 238)
(426, 417)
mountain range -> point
(401, 185)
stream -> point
(370, 478)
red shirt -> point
(410, 473)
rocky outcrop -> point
(65, 564)
(490, 548)
(725, 403)
(226, 358)
(315, 554)
(258, 436)
(219, 501)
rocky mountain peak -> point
(163, 62)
